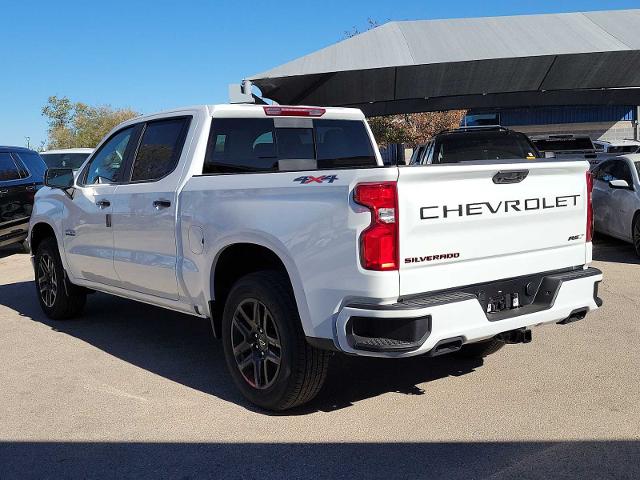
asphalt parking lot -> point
(134, 391)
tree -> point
(413, 128)
(408, 128)
(76, 124)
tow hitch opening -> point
(521, 335)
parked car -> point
(70, 157)
(616, 198)
(466, 144)
(566, 146)
(283, 227)
(21, 175)
(616, 147)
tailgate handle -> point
(513, 176)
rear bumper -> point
(417, 325)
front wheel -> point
(636, 234)
(265, 348)
(58, 298)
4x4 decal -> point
(309, 179)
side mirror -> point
(619, 184)
(61, 178)
(549, 154)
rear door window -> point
(159, 150)
(252, 145)
(8, 168)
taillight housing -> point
(379, 249)
(589, 207)
(279, 111)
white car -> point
(616, 198)
(66, 158)
(284, 228)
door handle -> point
(103, 203)
(161, 204)
(31, 188)
(4, 192)
(515, 176)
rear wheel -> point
(59, 298)
(265, 349)
(480, 349)
(636, 234)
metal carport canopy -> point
(410, 66)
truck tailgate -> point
(464, 224)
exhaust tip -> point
(576, 315)
(447, 345)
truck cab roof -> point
(258, 111)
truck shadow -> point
(181, 348)
(609, 249)
(10, 250)
(498, 460)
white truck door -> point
(88, 236)
(144, 212)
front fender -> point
(48, 209)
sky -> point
(154, 55)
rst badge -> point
(308, 179)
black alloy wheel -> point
(256, 344)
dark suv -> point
(467, 144)
(21, 175)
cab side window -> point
(160, 149)
(107, 166)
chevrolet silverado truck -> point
(283, 227)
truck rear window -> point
(569, 144)
(475, 146)
(64, 160)
(246, 145)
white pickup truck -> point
(282, 226)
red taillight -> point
(589, 207)
(278, 111)
(379, 242)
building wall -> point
(607, 122)
(596, 130)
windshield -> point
(64, 160)
(473, 146)
(568, 144)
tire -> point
(635, 229)
(59, 298)
(290, 371)
(480, 349)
